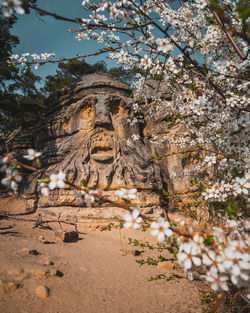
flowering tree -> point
(200, 49)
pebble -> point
(54, 273)
(38, 272)
(25, 250)
(12, 286)
(46, 263)
(167, 265)
(70, 236)
(43, 240)
(42, 292)
(29, 251)
(130, 252)
(6, 288)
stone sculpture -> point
(88, 136)
(94, 133)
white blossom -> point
(126, 193)
(9, 6)
(133, 219)
(217, 281)
(161, 229)
(57, 180)
(189, 256)
(12, 178)
(32, 154)
(164, 45)
(44, 189)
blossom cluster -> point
(26, 59)
(222, 251)
(12, 175)
(11, 6)
(87, 197)
(222, 190)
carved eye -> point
(115, 106)
(87, 112)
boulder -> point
(70, 236)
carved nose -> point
(102, 113)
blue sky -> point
(39, 34)
(45, 34)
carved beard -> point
(103, 161)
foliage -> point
(20, 100)
(7, 42)
(69, 73)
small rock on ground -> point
(168, 265)
(42, 292)
(6, 288)
(46, 263)
(29, 251)
(70, 236)
(130, 252)
(43, 240)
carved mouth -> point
(102, 152)
(102, 157)
(101, 148)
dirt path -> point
(93, 275)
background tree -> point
(69, 73)
(8, 72)
(20, 100)
(7, 42)
(72, 71)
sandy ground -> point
(91, 275)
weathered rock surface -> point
(176, 169)
(153, 89)
(87, 135)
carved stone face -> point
(90, 139)
(95, 145)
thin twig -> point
(218, 302)
(229, 36)
(56, 16)
(196, 150)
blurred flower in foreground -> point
(126, 193)
(12, 178)
(9, 6)
(161, 229)
(57, 180)
(32, 154)
(133, 219)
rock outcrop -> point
(177, 169)
(92, 133)
(87, 134)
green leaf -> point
(208, 241)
